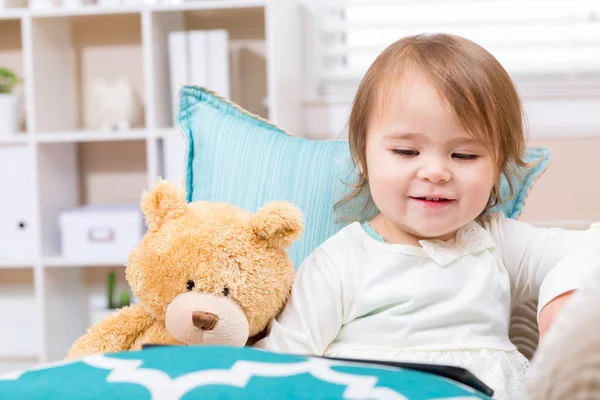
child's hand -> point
(550, 311)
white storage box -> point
(101, 232)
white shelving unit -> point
(55, 164)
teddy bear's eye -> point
(190, 285)
(225, 291)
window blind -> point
(543, 43)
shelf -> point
(208, 5)
(12, 13)
(61, 262)
(16, 264)
(78, 89)
(19, 138)
(91, 136)
(162, 133)
(101, 173)
(83, 10)
(114, 10)
(64, 158)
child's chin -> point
(435, 231)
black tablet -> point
(457, 374)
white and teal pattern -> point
(188, 373)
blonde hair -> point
(476, 86)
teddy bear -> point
(204, 273)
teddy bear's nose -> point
(205, 321)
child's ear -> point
(279, 223)
(165, 201)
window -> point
(550, 47)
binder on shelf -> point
(201, 58)
(178, 68)
(218, 62)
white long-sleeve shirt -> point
(355, 292)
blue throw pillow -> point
(207, 372)
(241, 159)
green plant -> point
(8, 80)
(111, 284)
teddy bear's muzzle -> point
(205, 321)
(196, 318)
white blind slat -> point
(529, 37)
(538, 35)
(478, 12)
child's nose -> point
(434, 171)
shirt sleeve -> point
(544, 263)
(313, 315)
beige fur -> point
(215, 245)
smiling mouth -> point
(435, 199)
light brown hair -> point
(478, 89)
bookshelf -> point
(58, 161)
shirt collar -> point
(470, 239)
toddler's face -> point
(427, 176)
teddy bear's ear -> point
(279, 223)
(165, 201)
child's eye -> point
(461, 156)
(406, 152)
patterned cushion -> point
(241, 159)
(189, 373)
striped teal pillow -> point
(238, 158)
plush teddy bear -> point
(205, 273)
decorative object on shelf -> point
(205, 273)
(110, 304)
(100, 232)
(114, 105)
(10, 102)
(111, 287)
